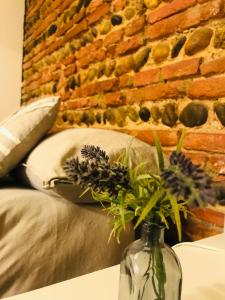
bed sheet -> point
(45, 240)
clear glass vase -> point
(150, 270)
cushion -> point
(45, 240)
(46, 160)
(21, 131)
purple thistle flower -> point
(184, 179)
(96, 172)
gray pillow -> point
(23, 130)
(45, 162)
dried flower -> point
(96, 172)
(187, 180)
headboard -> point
(133, 65)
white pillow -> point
(23, 130)
(46, 160)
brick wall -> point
(133, 65)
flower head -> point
(187, 180)
(96, 172)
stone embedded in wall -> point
(91, 74)
(138, 5)
(129, 13)
(121, 115)
(98, 118)
(160, 52)
(220, 112)
(52, 29)
(144, 114)
(71, 82)
(140, 58)
(105, 27)
(109, 68)
(178, 46)
(155, 113)
(110, 116)
(198, 41)
(151, 3)
(132, 114)
(116, 20)
(88, 117)
(219, 41)
(169, 115)
(124, 65)
(101, 69)
(194, 114)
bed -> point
(46, 239)
(48, 233)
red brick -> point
(34, 77)
(95, 88)
(33, 8)
(84, 51)
(72, 33)
(61, 83)
(62, 106)
(51, 11)
(71, 69)
(94, 56)
(131, 44)
(207, 88)
(57, 75)
(65, 96)
(169, 9)
(93, 5)
(217, 163)
(198, 158)
(114, 37)
(135, 26)
(53, 68)
(69, 60)
(34, 85)
(98, 13)
(208, 142)
(76, 19)
(54, 46)
(46, 77)
(61, 4)
(111, 51)
(27, 65)
(43, 25)
(181, 68)
(213, 66)
(93, 102)
(168, 138)
(125, 81)
(179, 22)
(147, 77)
(77, 103)
(202, 1)
(219, 178)
(113, 99)
(118, 5)
(155, 92)
(40, 27)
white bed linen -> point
(44, 240)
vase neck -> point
(152, 234)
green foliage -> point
(134, 194)
(146, 199)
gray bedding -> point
(45, 239)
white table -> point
(203, 265)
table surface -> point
(203, 266)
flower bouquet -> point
(134, 194)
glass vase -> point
(150, 270)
